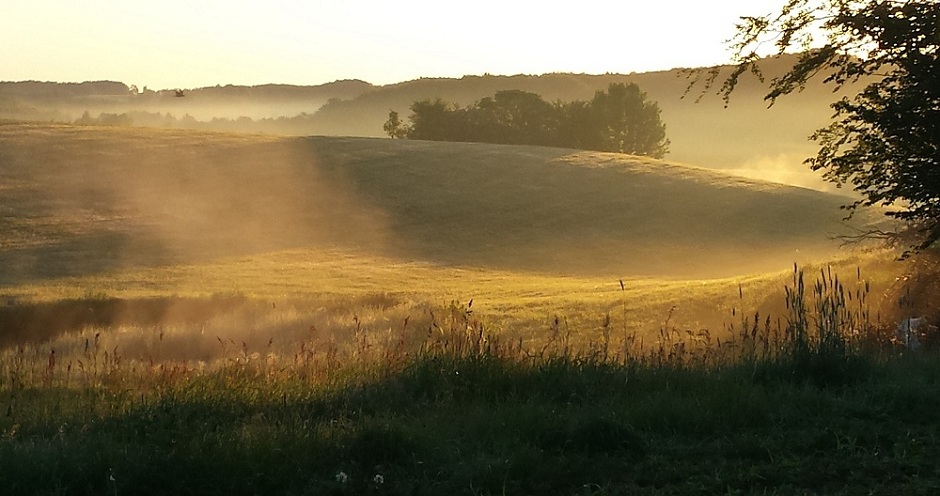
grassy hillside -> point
(379, 229)
(83, 199)
(336, 228)
(562, 211)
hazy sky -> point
(195, 43)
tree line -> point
(300, 124)
(620, 119)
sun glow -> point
(184, 44)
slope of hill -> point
(80, 200)
(560, 210)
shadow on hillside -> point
(29, 324)
(80, 202)
(83, 255)
(567, 212)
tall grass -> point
(827, 322)
(440, 404)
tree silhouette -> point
(618, 120)
(885, 141)
(626, 122)
(393, 126)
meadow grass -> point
(280, 296)
(823, 403)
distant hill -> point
(70, 100)
(44, 90)
(38, 90)
(87, 200)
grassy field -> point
(530, 234)
(124, 198)
(202, 313)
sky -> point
(198, 43)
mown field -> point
(205, 313)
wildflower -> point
(378, 479)
(341, 477)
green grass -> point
(479, 422)
(447, 407)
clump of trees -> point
(620, 119)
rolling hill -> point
(86, 200)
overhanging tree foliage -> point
(618, 120)
(885, 141)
